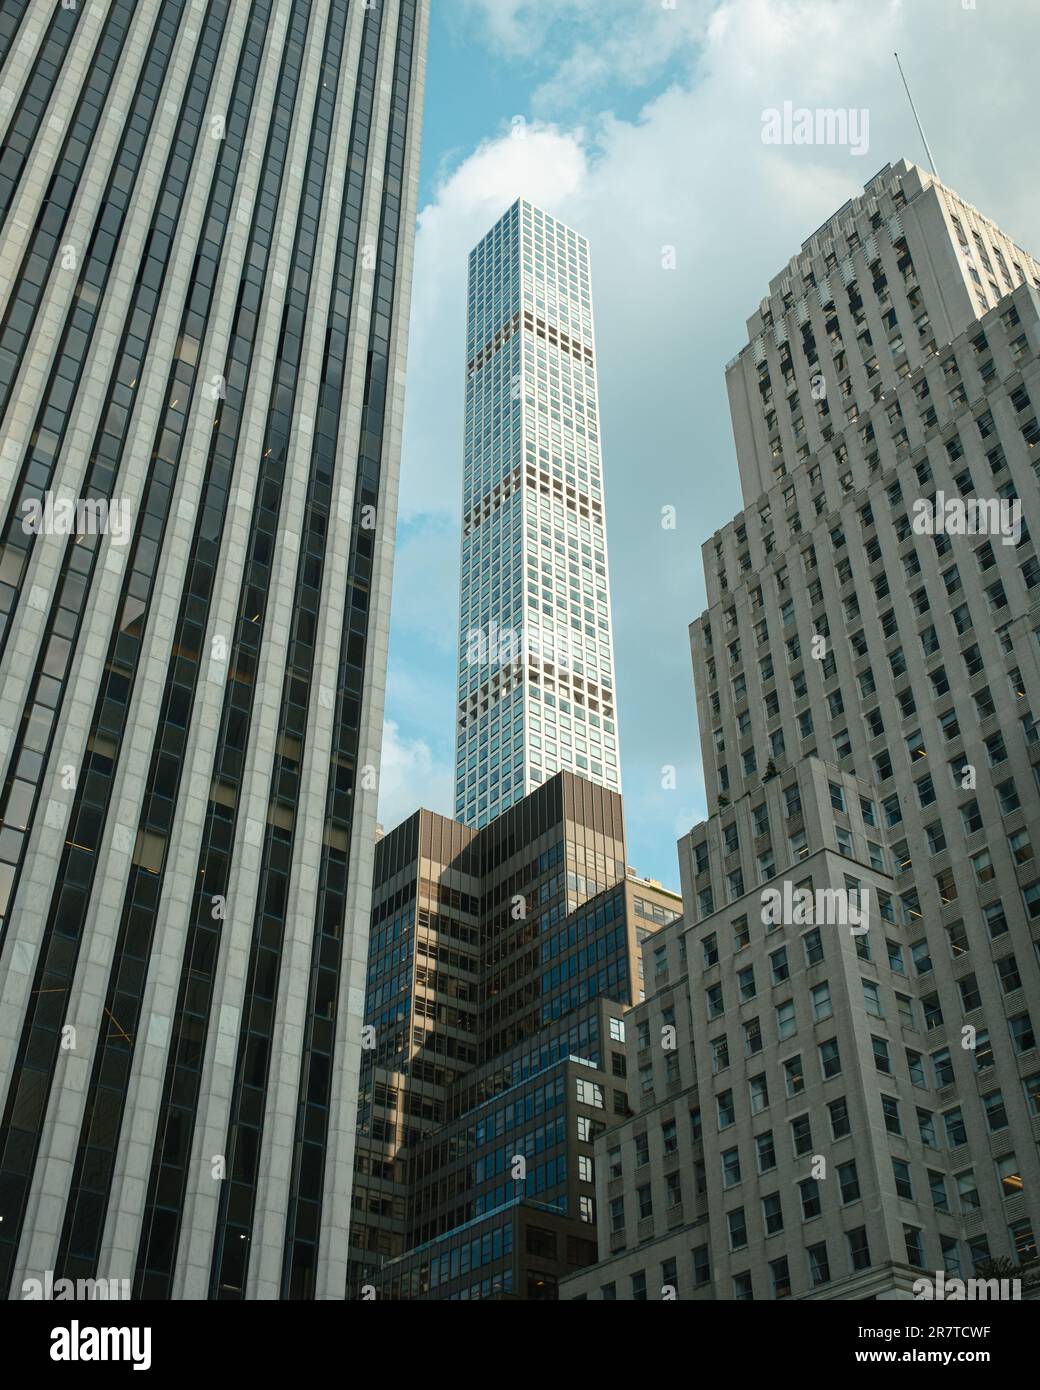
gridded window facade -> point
(208, 215)
(867, 685)
(536, 665)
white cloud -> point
(588, 41)
(506, 26)
(410, 777)
(522, 27)
(690, 171)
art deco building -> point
(502, 961)
(536, 663)
(848, 1110)
(208, 214)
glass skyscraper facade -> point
(208, 213)
(536, 663)
(502, 961)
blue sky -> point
(639, 122)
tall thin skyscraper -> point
(208, 217)
(536, 660)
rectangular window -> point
(819, 1266)
(904, 1184)
(801, 1134)
(737, 1229)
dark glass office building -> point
(502, 962)
(207, 213)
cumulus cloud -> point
(684, 179)
(410, 777)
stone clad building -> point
(850, 1110)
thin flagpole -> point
(917, 118)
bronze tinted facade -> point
(502, 961)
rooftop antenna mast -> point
(913, 108)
